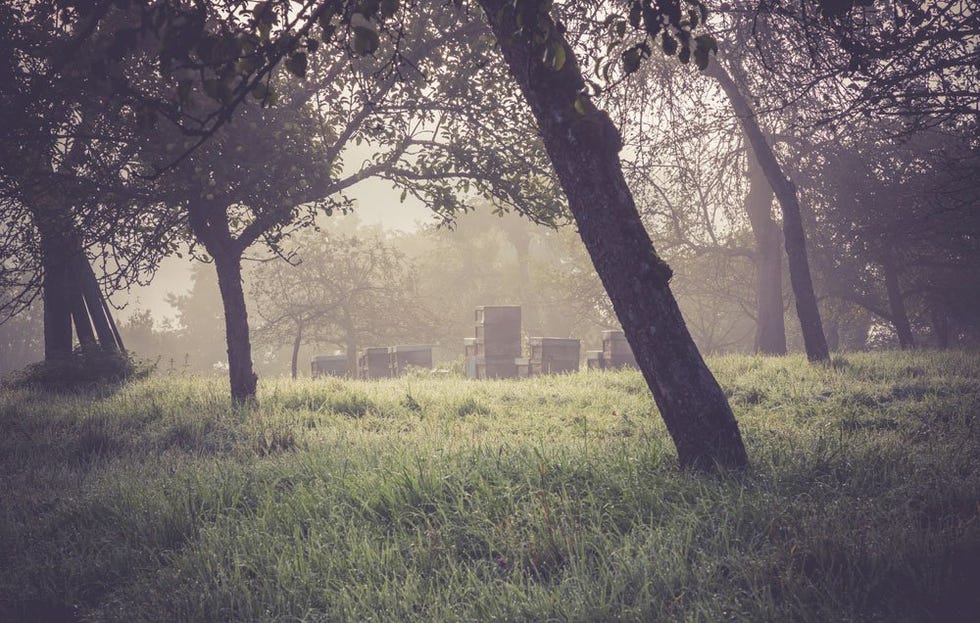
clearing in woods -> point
(554, 498)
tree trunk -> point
(69, 289)
(584, 147)
(79, 314)
(770, 330)
(101, 319)
(297, 341)
(243, 378)
(210, 225)
(795, 239)
(896, 303)
(57, 289)
(352, 355)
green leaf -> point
(248, 64)
(557, 55)
(368, 8)
(297, 64)
(580, 105)
(704, 45)
(366, 40)
(389, 8)
(701, 58)
(631, 60)
(261, 91)
(707, 42)
(636, 13)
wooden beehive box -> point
(328, 365)
(498, 330)
(593, 360)
(374, 363)
(554, 355)
(495, 367)
(523, 367)
(417, 355)
(616, 351)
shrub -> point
(86, 367)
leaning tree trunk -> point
(795, 239)
(70, 289)
(98, 312)
(584, 149)
(770, 330)
(896, 304)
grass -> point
(554, 499)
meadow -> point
(549, 499)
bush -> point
(85, 367)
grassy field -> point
(554, 499)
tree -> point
(65, 157)
(583, 146)
(793, 233)
(899, 227)
(436, 151)
(339, 289)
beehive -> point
(417, 355)
(523, 367)
(593, 360)
(616, 351)
(496, 342)
(553, 355)
(495, 367)
(498, 330)
(328, 365)
(374, 363)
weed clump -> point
(85, 368)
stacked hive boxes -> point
(374, 363)
(328, 365)
(492, 353)
(415, 355)
(616, 351)
(553, 355)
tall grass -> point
(555, 498)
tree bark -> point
(896, 303)
(770, 333)
(70, 290)
(351, 354)
(79, 314)
(57, 289)
(243, 378)
(210, 226)
(297, 341)
(583, 145)
(795, 239)
(88, 286)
